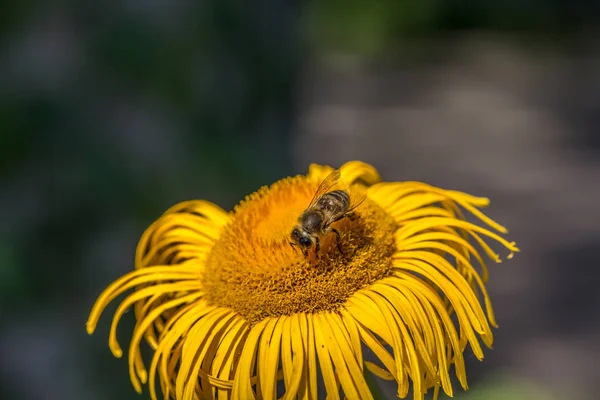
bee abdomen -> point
(340, 195)
(337, 200)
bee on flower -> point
(232, 309)
(327, 206)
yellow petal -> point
(136, 296)
(410, 353)
(430, 323)
(190, 347)
(349, 324)
(465, 263)
(309, 391)
(169, 362)
(429, 223)
(234, 345)
(380, 322)
(317, 173)
(348, 368)
(379, 350)
(242, 386)
(210, 211)
(430, 296)
(329, 376)
(405, 316)
(269, 357)
(354, 171)
(296, 359)
(378, 371)
(286, 350)
(450, 281)
(132, 280)
(137, 335)
(205, 340)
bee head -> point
(302, 238)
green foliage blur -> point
(387, 27)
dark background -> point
(112, 112)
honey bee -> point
(326, 207)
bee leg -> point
(351, 216)
(317, 246)
(338, 239)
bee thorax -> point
(311, 220)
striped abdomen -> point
(335, 202)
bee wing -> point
(358, 194)
(328, 183)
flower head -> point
(232, 311)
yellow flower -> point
(230, 309)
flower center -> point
(253, 270)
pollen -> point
(254, 270)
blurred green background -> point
(111, 112)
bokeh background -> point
(110, 112)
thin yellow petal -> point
(431, 327)
(234, 345)
(349, 324)
(208, 210)
(430, 296)
(329, 376)
(129, 281)
(378, 320)
(226, 347)
(405, 315)
(212, 336)
(423, 212)
(268, 361)
(298, 367)
(206, 220)
(412, 359)
(331, 346)
(136, 296)
(378, 371)
(465, 262)
(172, 251)
(347, 366)
(468, 321)
(310, 390)
(451, 238)
(412, 202)
(169, 362)
(143, 307)
(443, 273)
(137, 335)
(195, 339)
(165, 347)
(354, 171)
(242, 386)
(286, 350)
(468, 202)
(429, 223)
(317, 173)
(379, 350)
